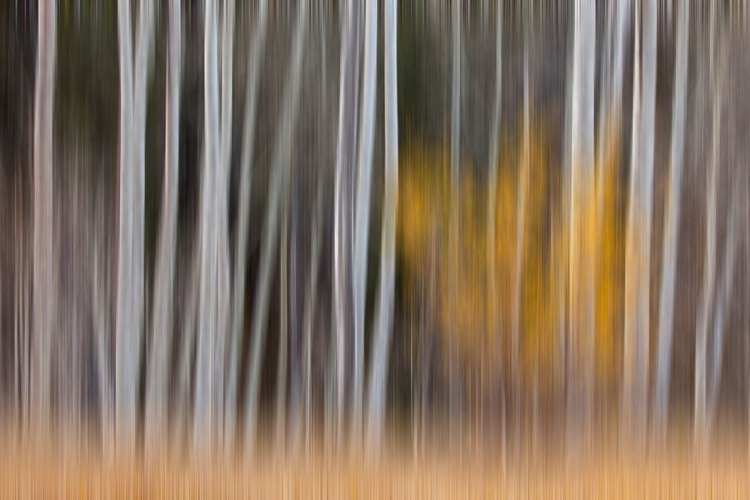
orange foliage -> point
(478, 327)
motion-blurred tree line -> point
(338, 220)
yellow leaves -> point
(474, 282)
(611, 261)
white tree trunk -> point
(362, 214)
(240, 254)
(204, 423)
(582, 189)
(709, 266)
(638, 261)
(723, 301)
(279, 171)
(383, 326)
(454, 206)
(493, 305)
(125, 331)
(162, 318)
(343, 229)
(43, 285)
(222, 215)
(671, 227)
(522, 194)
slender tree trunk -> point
(384, 324)
(279, 172)
(240, 254)
(638, 253)
(125, 330)
(282, 368)
(221, 353)
(44, 293)
(582, 190)
(671, 227)
(362, 214)
(204, 423)
(720, 309)
(454, 208)
(522, 193)
(310, 307)
(343, 229)
(493, 305)
(709, 266)
(162, 319)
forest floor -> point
(594, 475)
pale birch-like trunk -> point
(162, 316)
(454, 207)
(279, 171)
(671, 228)
(43, 285)
(240, 254)
(283, 347)
(720, 309)
(521, 195)
(221, 214)
(204, 421)
(310, 306)
(582, 190)
(309, 313)
(125, 330)
(362, 209)
(494, 159)
(638, 245)
(384, 321)
(343, 227)
(709, 265)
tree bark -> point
(44, 293)
(494, 160)
(125, 330)
(162, 318)
(582, 190)
(638, 252)
(362, 214)
(454, 208)
(671, 227)
(384, 324)
(279, 172)
(240, 254)
(204, 421)
(709, 266)
(343, 228)
(720, 309)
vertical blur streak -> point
(280, 166)
(205, 376)
(362, 214)
(492, 297)
(638, 253)
(222, 215)
(240, 263)
(124, 411)
(44, 299)
(454, 204)
(671, 228)
(343, 237)
(161, 327)
(384, 318)
(716, 72)
(522, 193)
(721, 305)
(582, 189)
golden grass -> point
(82, 475)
